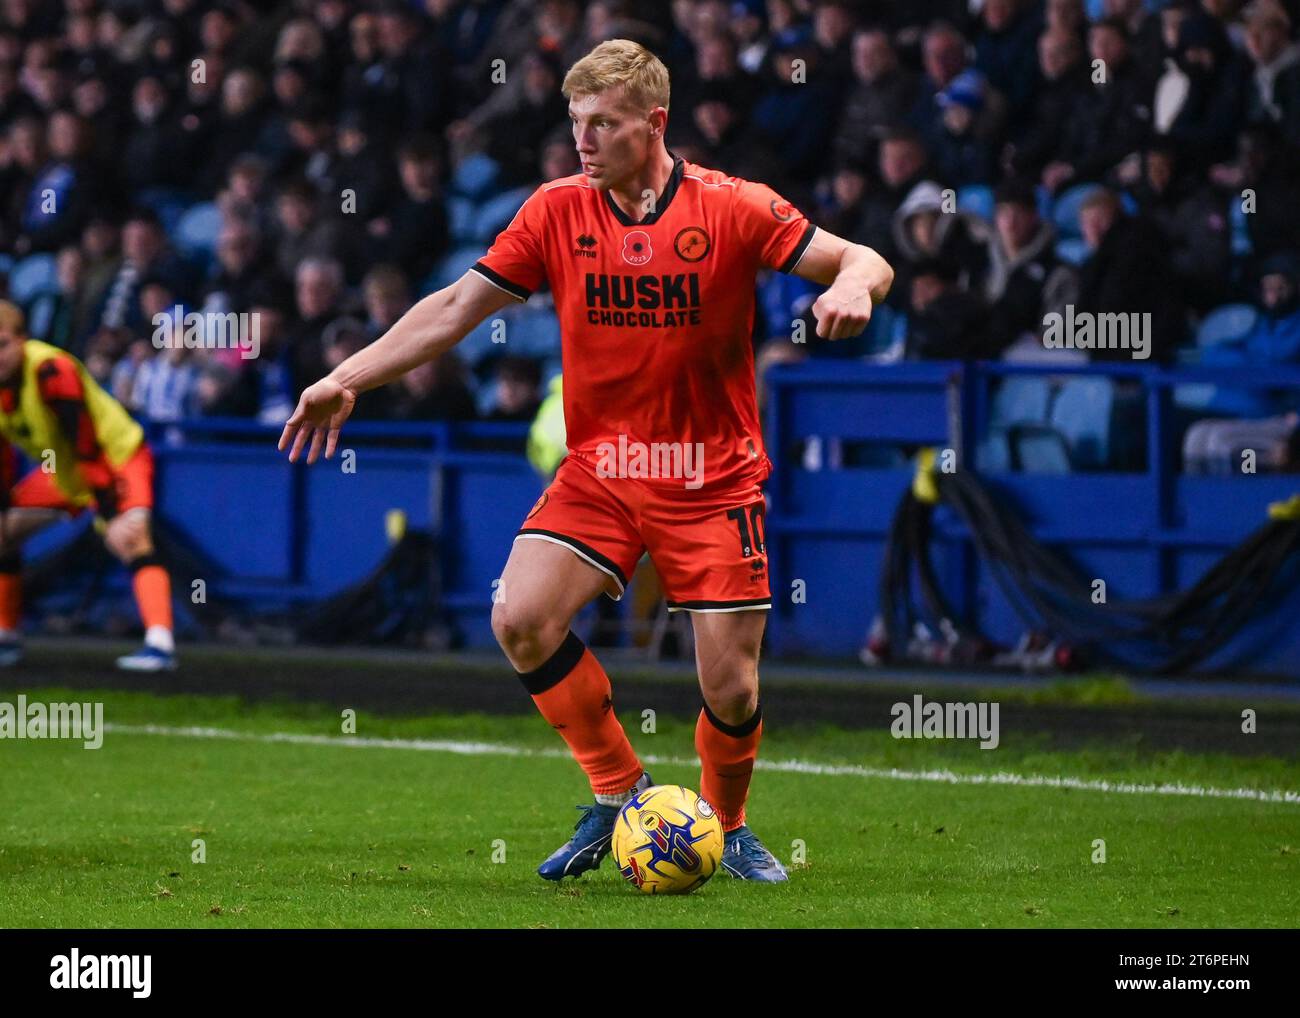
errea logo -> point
(586, 246)
(73, 971)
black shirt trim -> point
(661, 205)
(789, 264)
(514, 289)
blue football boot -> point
(148, 659)
(591, 841)
(745, 858)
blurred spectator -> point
(237, 126)
(244, 195)
(789, 115)
(1273, 95)
(60, 316)
(413, 231)
(928, 229)
(154, 154)
(411, 89)
(318, 296)
(63, 192)
(513, 133)
(166, 385)
(946, 323)
(517, 382)
(1111, 116)
(1026, 280)
(903, 164)
(1194, 221)
(1126, 273)
(833, 22)
(387, 296)
(145, 254)
(961, 157)
(1064, 90)
(1200, 99)
(358, 166)
(1004, 52)
(263, 387)
(301, 231)
(436, 390)
(1261, 177)
(879, 96)
(945, 56)
(240, 266)
(1274, 339)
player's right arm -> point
(433, 326)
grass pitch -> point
(300, 828)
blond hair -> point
(11, 315)
(620, 62)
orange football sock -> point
(573, 693)
(11, 594)
(727, 755)
(153, 592)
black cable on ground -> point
(1166, 633)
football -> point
(667, 840)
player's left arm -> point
(857, 278)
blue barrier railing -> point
(1147, 531)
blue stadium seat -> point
(1194, 395)
(495, 214)
(993, 454)
(881, 332)
(1073, 250)
(168, 202)
(1020, 399)
(531, 332)
(1095, 9)
(196, 232)
(976, 198)
(453, 265)
(1065, 210)
(34, 275)
(460, 219)
(1226, 324)
(475, 176)
(6, 263)
(1040, 450)
(1082, 412)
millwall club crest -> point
(636, 248)
(692, 244)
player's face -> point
(11, 352)
(613, 139)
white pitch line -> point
(787, 766)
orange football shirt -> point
(656, 316)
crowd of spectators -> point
(326, 136)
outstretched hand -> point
(322, 409)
